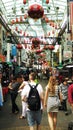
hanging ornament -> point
(48, 33)
(35, 11)
(17, 20)
(51, 47)
(47, 20)
(19, 46)
(21, 19)
(13, 21)
(25, 16)
(47, 1)
(53, 31)
(16, 28)
(24, 1)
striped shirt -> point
(64, 90)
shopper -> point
(70, 95)
(13, 88)
(33, 116)
(24, 104)
(64, 89)
(1, 93)
(52, 101)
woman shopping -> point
(52, 101)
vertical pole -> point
(52, 58)
(8, 52)
(60, 55)
(19, 57)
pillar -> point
(19, 57)
(8, 52)
(1, 39)
(71, 18)
(60, 55)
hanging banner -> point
(14, 50)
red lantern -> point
(35, 11)
(16, 28)
(47, 1)
(13, 21)
(51, 47)
(21, 19)
(48, 33)
(24, 1)
(25, 16)
(35, 41)
(17, 20)
(19, 46)
(47, 20)
(53, 31)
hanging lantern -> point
(13, 21)
(47, 1)
(21, 19)
(16, 28)
(17, 20)
(19, 46)
(53, 31)
(51, 47)
(48, 33)
(47, 20)
(35, 11)
(25, 16)
(36, 43)
(24, 1)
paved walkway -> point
(11, 122)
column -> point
(8, 52)
(60, 55)
(1, 39)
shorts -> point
(34, 117)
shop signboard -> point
(67, 54)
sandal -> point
(21, 117)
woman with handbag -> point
(52, 101)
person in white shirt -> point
(33, 116)
(21, 89)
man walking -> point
(34, 105)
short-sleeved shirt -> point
(27, 88)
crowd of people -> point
(34, 100)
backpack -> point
(33, 100)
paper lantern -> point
(51, 47)
(47, 20)
(25, 16)
(24, 1)
(47, 1)
(35, 11)
(17, 20)
(13, 21)
(19, 46)
(21, 19)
